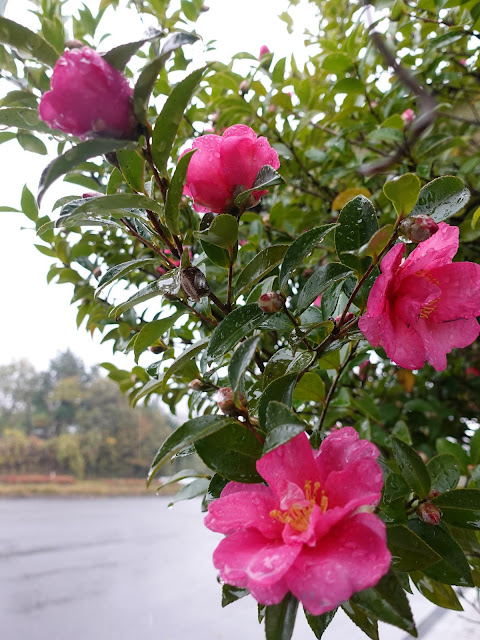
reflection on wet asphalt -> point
(131, 569)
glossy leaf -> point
(357, 224)
(282, 425)
(241, 360)
(232, 594)
(455, 449)
(387, 602)
(412, 467)
(460, 507)
(409, 551)
(232, 452)
(310, 388)
(344, 197)
(440, 594)
(444, 472)
(281, 390)
(259, 266)
(151, 332)
(28, 204)
(403, 192)
(299, 250)
(119, 56)
(120, 270)
(27, 43)
(395, 487)
(223, 232)
(186, 435)
(166, 284)
(319, 281)
(75, 156)
(132, 166)
(23, 118)
(181, 361)
(232, 329)
(267, 177)
(175, 191)
(169, 119)
(126, 201)
(191, 490)
(442, 198)
(280, 619)
(367, 623)
(319, 624)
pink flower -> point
(408, 116)
(264, 50)
(318, 301)
(472, 372)
(224, 166)
(423, 307)
(88, 97)
(305, 532)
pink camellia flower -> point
(423, 307)
(408, 116)
(264, 50)
(88, 97)
(311, 531)
(224, 166)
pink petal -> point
(240, 131)
(460, 285)
(378, 295)
(340, 449)
(407, 348)
(264, 154)
(209, 194)
(359, 483)
(244, 506)
(413, 294)
(434, 252)
(440, 338)
(352, 558)
(237, 157)
(288, 468)
(247, 559)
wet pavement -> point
(131, 569)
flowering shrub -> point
(280, 314)
(305, 532)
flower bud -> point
(418, 228)
(429, 513)
(349, 316)
(271, 302)
(97, 272)
(243, 87)
(423, 456)
(408, 116)
(156, 349)
(226, 401)
(196, 385)
(194, 283)
(264, 50)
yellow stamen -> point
(298, 515)
(427, 309)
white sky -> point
(36, 319)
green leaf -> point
(223, 232)
(475, 217)
(166, 284)
(232, 594)
(440, 594)
(31, 143)
(387, 602)
(453, 567)
(281, 390)
(241, 360)
(444, 472)
(368, 624)
(126, 201)
(299, 250)
(23, 118)
(75, 156)
(349, 86)
(232, 329)
(267, 177)
(319, 281)
(186, 435)
(460, 507)
(412, 467)
(132, 166)
(455, 449)
(403, 192)
(27, 43)
(409, 551)
(357, 224)
(319, 624)
(310, 388)
(401, 431)
(175, 191)
(377, 242)
(151, 332)
(442, 198)
(282, 425)
(395, 487)
(169, 119)
(192, 490)
(120, 270)
(232, 452)
(182, 360)
(29, 205)
(119, 56)
(280, 619)
(259, 266)
(475, 447)
(148, 76)
(337, 63)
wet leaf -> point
(460, 507)
(319, 624)
(166, 284)
(119, 56)
(223, 232)
(28, 44)
(241, 360)
(282, 425)
(182, 360)
(440, 594)
(280, 619)
(174, 194)
(259, 266)
(232, 329)
(442, 198)
(357, 224)
(409, 551)
(319, 281)
(444, 472)
(403, 192)
(412, 467)
(281, 390)
(120, 270)
(267, 177)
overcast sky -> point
(36, 319)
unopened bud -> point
(74, 44)
(408, 116)
(196, 385)
(418, 228)
(156, 349)
(243, 87)
(264, 50)
(194, 283)
(226, 401)
(429, 513)
(349, 316)
(423, 456)
(270, 302)
(97, 272)
(91, 194)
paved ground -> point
(131, 569)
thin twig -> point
(333, 386)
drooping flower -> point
(423, 307)
(88, 97)
(311, 530)
(223, 166)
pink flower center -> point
(298, 514)
(429, 308)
